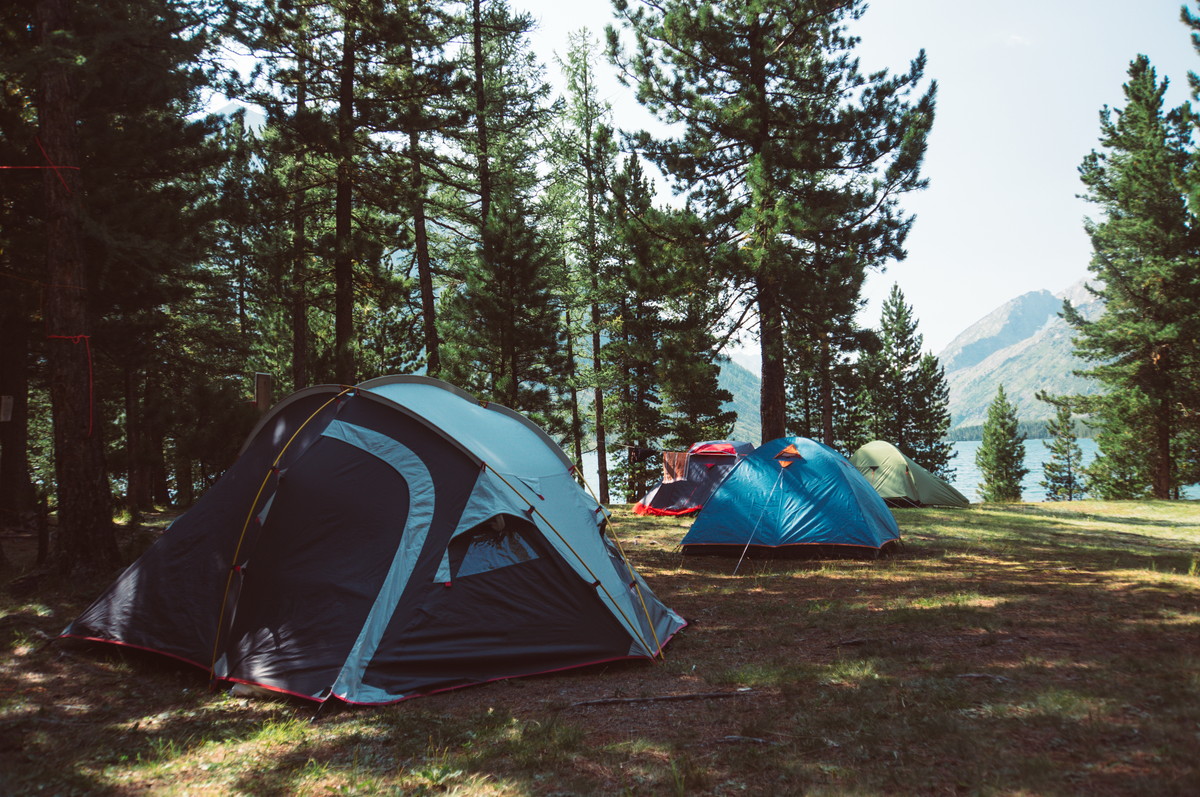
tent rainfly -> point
(381, 542)
(900, 481)
(689, 478)
(794, 496)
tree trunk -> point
(298, 292)
(481, 128)
(16, 488)
(86, 539)
(770, 313)
(598, 401)
(576, 420)
(773, 388)
(138, 469)
(1162, 454)
(433, 357)
(160, 493)
(184, 482)
(343, 263)
(826, 391)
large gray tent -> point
(385, 541)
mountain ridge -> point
(1025, 345)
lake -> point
(966, 476)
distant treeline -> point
(1030, 430)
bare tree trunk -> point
(137, 488)
(298, 292)
(433, 357)
(86, 540)
(16, 488)
(573, 391)
(481, 128)
(826, 391)
(1161, 474)
(343, 264)
(773, 387)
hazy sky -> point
(1020, 86)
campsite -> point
(313, 317)
(1023, 648)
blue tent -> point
(384, 541)
(794, 495)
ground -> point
(1022, 649)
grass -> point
(1009, 649)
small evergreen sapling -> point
(1063, 473)
(1001, 456)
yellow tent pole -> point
(246, 525)
(624, 558)
(578, 558)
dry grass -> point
(1023, 649)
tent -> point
(384, 541)
(900, 481)
(690, 477)
(794, 495)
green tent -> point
(900, 481)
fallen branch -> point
(862, 640)
(658, 698)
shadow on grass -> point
(1002, 650)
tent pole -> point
(754, 530)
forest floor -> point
(1030, 649)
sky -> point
(1020, 87)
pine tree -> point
(1001, 455)
(1145, 347)
(825, 393)
(785, 147)
(1121, 468)
(348, 89)
(292, 42)
(22, 250)
(152, 197)
(148, 162)
(689, 370)
(509, 349)
(905, 390)
(584, 158)
(1064, 472)
(636, 412)
(86, 540)
(501, 337)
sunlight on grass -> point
(286, 731)
(637, 746)
(1024, 649)
(850, 672)
(947, 600)
(1066, 704)
(754, 675)
(1169, 617)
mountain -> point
(1023, 345)
(1009, 324)
(746, 389)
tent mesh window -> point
(490, 546)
